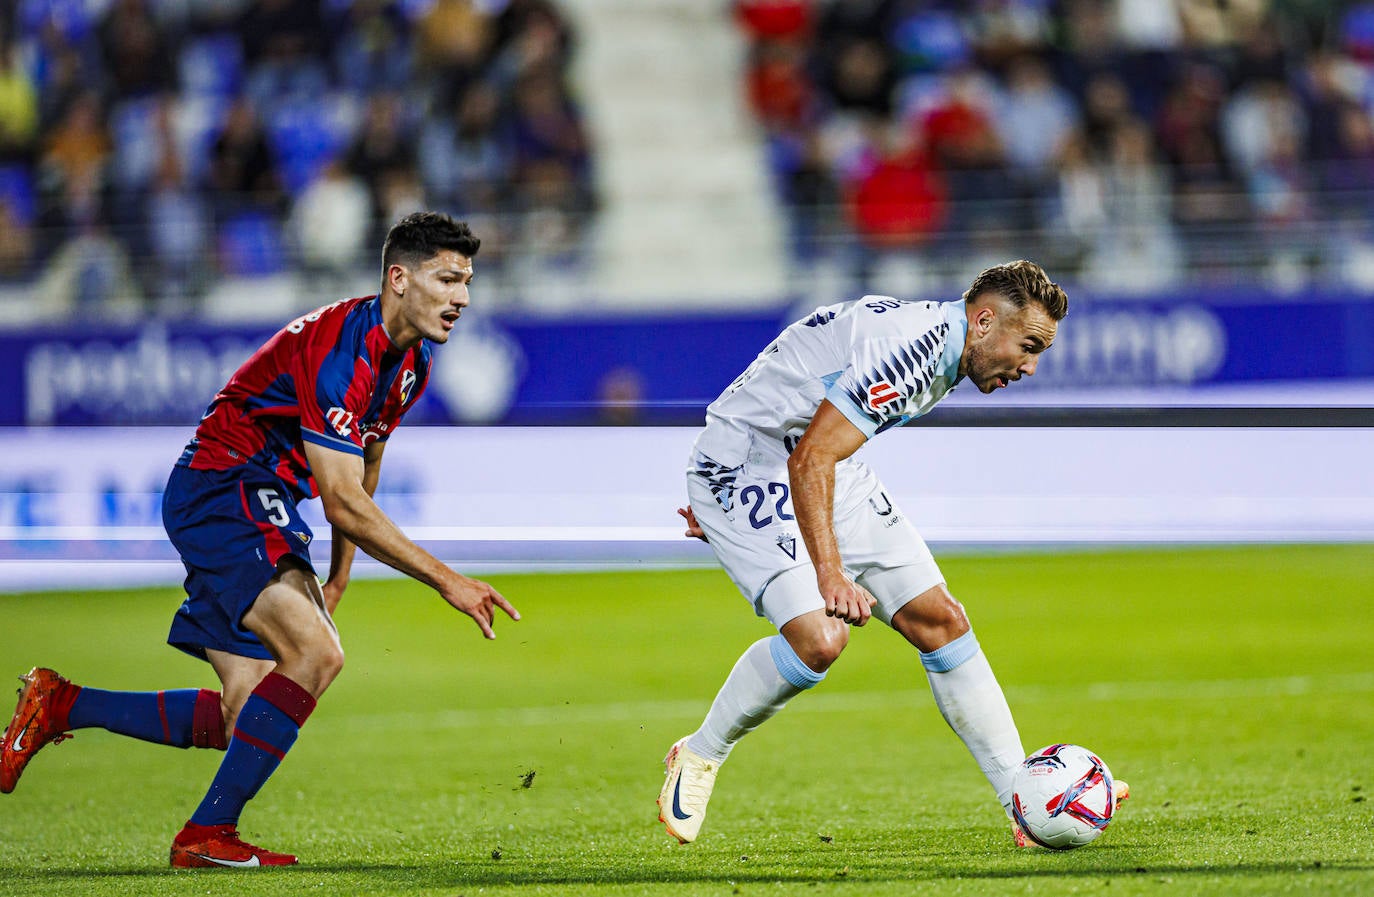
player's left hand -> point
(333, 594)
(476, 599)
(694, 529)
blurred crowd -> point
(153, 146)
(1129, 143)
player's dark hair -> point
(1021, 283)
(420, 236)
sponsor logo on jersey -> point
(788, 543)
(373, 430)
(882, 394)
(882, 506)
(340, 420)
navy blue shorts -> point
(231, 528)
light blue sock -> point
(763, 680)
(972, 703)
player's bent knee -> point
(313, 660)
(948, 615)
(332, 663)
(336, 662)
(791, 667)
(328, 664)
(818, 640)
(932, 620)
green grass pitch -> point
(1233, 687)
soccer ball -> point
(1063, 796)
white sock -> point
(763, 680)
(972, 703)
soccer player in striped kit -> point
(308, 415)
(808, 533)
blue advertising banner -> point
(664, 369)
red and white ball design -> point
(1063, 796)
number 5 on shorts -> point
(274, 506)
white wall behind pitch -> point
(80, 506)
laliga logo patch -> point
(407, 383)
(340, 420)
(881, 394)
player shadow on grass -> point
(397, 877)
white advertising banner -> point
(82, 506)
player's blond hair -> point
(1021, 283)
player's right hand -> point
(476, 598)
(694, 530)
(846, 600)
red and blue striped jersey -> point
(332, 377)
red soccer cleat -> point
(209, 846)
(39, 719)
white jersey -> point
(880, 361)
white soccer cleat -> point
(686, 790)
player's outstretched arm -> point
(811, 468)
(350, 510)
(342, 548)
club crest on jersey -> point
(788, 543)
(340, 420)
(407, 384)
(882, 394)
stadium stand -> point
(153, 153)
(194, 141)
(1130, 144)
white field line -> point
(822, 702)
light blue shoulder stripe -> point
(841, 400)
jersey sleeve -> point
(332, 392)
(886, 376)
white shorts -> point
(746, 513)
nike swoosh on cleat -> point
(239, 864)
(18, 743)
(677, 807)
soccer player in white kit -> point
(809, 535)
